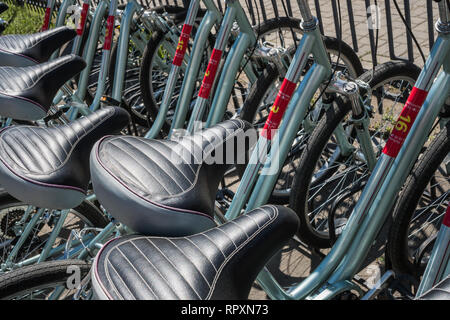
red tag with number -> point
(210, 74)
(109, 33)
(84, 12)
(46, 19)
(405, 121)
(182, 45)
(278, 108)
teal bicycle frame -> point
(79, 248)
(438, 267)
(212, 17)
(60, 215)
(335, 272)
(245, 39)
(75, 100)
(89, 50)
(48, 14)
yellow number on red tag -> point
(402, 123)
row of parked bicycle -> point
(170, 153)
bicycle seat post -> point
(305, 11)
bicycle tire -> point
(40, 276)
(317, 142)
(427, 165)
(332, 44)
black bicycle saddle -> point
(49, 167)
(26, 93)
(440, 291)
(165, 187)
(220, 263)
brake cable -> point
(410, 31)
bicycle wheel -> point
(257, 107)
(44, 281)
(418, 213)
(13, 223)
(329, 182)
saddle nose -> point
(440, 291)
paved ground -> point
(296, 261)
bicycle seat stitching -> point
(273, 213)
(33, 82)
(144, 196)
(25, 99)
(160, 274)
(141, 196)
(20, 55)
